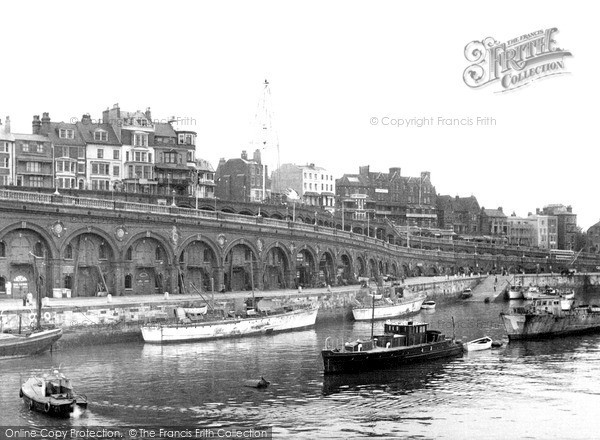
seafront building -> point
(242, 179)
(314, 185)
(7, 154)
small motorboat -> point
(467, 293)
(515, 293)
(484, 343)
(428, 305)
(253, 383)
(51, 394)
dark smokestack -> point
(36, 125)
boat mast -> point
(38, 295)
(372, 314)
(252, 281)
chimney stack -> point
(500, 209)
(36, 125)
(7, 125)
(244, 155)
(148, 114)
(363, 170)
(45, 123)
(86, 119)
(257, 157)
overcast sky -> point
(332, 67)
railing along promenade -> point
(540, 257)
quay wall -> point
(109, 320)
(576, 281)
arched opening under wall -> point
(199, 267)
(240, 271)
(345, 274)
(405, 271)
(2, 286)
(91, 271)
(357, 230)
(22, 272)
(276, 269)
(147, 263)
(373, 272)
(305, 269)
(326, 270)
(394, 271)
(362, 267)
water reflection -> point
(400, 381)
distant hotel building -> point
(405, 200)
(314, 185)
(7, 153)
(566, 224)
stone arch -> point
(345, 272)
(18, 267)
(394, 268)
(277, 267)
(241, 266)
(361, 267)
(306, 266)
(246, 212)
(373, 268)
(199, 263)
(149, 275)
(327, 268)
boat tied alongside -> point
(402, 342)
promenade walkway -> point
(11, 304)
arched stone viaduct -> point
(91, 246)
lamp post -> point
(173, 203)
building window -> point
(100, 153)
(101, 169)
(116, 171)
(140, 140)
(38, 250)
(3, 162)
(66, 133)
(40, 148)
(81, 168)
(2, 250)
(128, 278)
(116, 155)
(129, 254)
(68, 283)
(170, 157)
(25, 148)
(207, 255)
(158, 254)
(190, 156)
(36, 181)
(100, 135)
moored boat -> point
(213, 326)
(484, 343)
(403, 342)
(27, 344)
(467, 293)
(428, 305)
(531, 292)
(547, 317)
(51, 394)
(385, 308)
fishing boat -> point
(51, 394)
(403, 342)
(547, 317)
(385, 307)
(531, 292)
(484, 343)
(428, 305)
(33, 341)
(214, 325)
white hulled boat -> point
(387, 308)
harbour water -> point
(535, 389)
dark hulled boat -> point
(27, 344)
(403, 342)
(548, 317)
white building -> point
(7, 154)
(314, 185)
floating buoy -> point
(47, 407)
(47, 316)
(252, 383)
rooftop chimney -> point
(86, 119)
(45, 123)
(500, 208)
(395, 170)
(148, 114)
(257, 157)
(569, 208)
(7, 125)
(363, 170)
(244, 155)
(36, 124)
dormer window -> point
(186, 139)
(140, 140)
(66, 133)
(142, 122)
(101, 135)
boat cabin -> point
(406, 333)
(57, 385)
